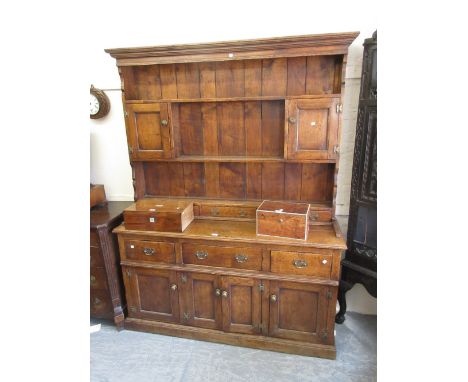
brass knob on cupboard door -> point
(225, 293)
(164, 122)
(93, 279)
(174, 287)
(218, 292)
(273, 298)
(292, 120)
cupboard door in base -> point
(242, 306)
(149, 131)
(152, 294)
(200, 300)
(299, 312)
(312, 128)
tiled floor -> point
(134, 357)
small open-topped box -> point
(283, 219)
(164, 215)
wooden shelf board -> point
(322, 236)
(239, 159)
(232, 99)
(236, 202)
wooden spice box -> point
(164, 215)
(282, 219)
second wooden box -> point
(283, 219)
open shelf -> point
(277, 77)
(233, 129)
(306, 182)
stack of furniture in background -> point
(360, 262)
(107, 299)
(213, 131)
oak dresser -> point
(226, 126)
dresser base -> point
(246, 340)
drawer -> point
(320, 216)
(101, 304)
(228, 211)
(98, 278)
(94, 239)
(96, 259)
(228, 257)
(300, 263)
(156, 251)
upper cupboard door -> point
(312, 128)
(149, 131)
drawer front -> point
(228, 257)
(299, 263)
(94, 239)
(150, 251)
(228, 211)
(98, 278)
(101, 304)
(282, 225)
(96, 259)
(320, 216)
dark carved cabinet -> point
(106, 290)
(360, 262)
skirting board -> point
(246, 340)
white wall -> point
(109, 158)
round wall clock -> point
(99, 104)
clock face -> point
(93, 105)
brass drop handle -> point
(314, 217)
(242, 214)
(240, 258)
(164, 122)
(292, 120)
(174, 286)
(225, 293)
(93, 279)
(273, 298)
(214, 211)
(218, 292)
(300, 263)
(148, 251)
(97, 301)
(201, 255)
